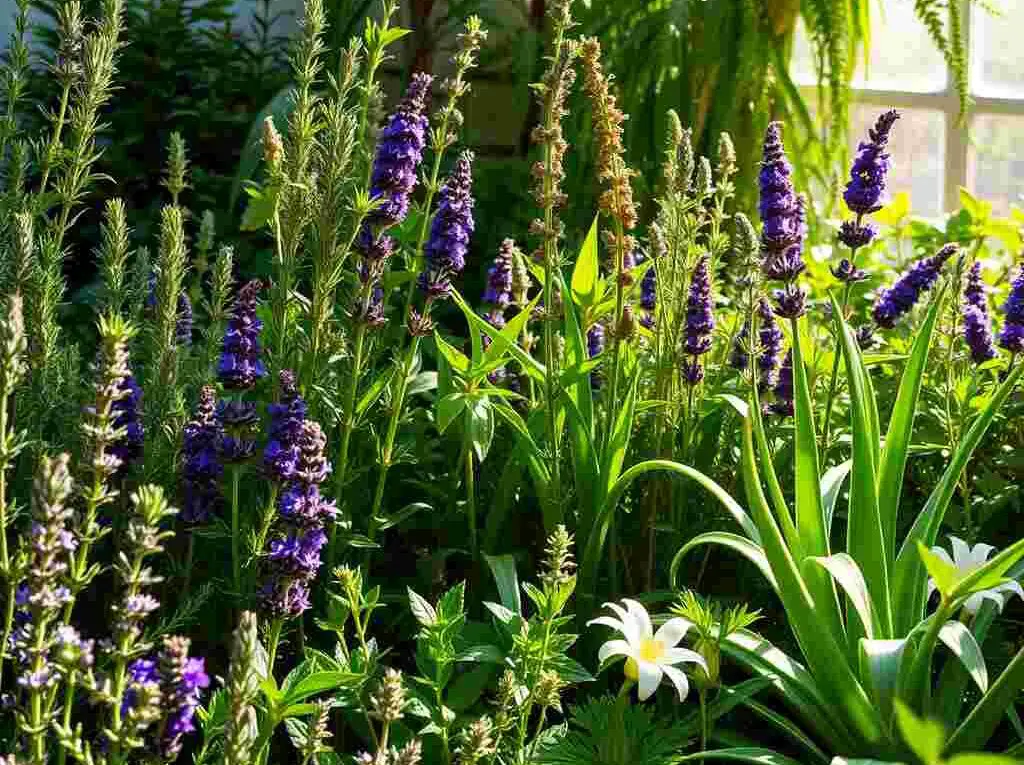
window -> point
(933, 154)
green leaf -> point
(585, 272)
(320, 682)
(751, 754)
(448, 409)
(260, 208)
(392, 34)
(373, 393)
(480, 421)
(901, 425)
(945, 575)
(486, 654)
(880, 663)
(991, 573)
(831, 488)
(502, 340)
(405, 513)
(847, 574)
(466, 689)
(961, 642)
(421, 609)
(982, 721)
(924, 737)
(503, 568)
(456, 358)
(749, 550)
(529, 364)
(452, 605)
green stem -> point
(397, 404)
(470, 492)
(69, 697)
(51, 150)
(236, 560)
(347, 426)
(273, 640)
(703, 720)
(269, 513)
(826, 420)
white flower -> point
(967, 559)
(650, 655)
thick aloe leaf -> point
(823, 654)
(880, 664)
(742, 545)
(910, 579)
(901, 425)
(864, 539)
(961, 642)
(771, 478)
(831, 487)
(845, 571)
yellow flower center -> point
(650, 650)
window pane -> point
(995, 164)
(997, 63)
(902, 57)
(916, 147)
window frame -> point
(956, 138)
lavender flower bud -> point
(977, 325)
(700, 321)
(867, 175)
(184, 679)
(450, 230)
(739, 356)
(649, 297)
(498, 292)
(13, 346)
(783, 405)
(1011, 336)
(201, 467)
(855, 235)
(778, 204)
(848, 273)
(771, 338)
(127, 411)
(897, 300)
(595, 346)
(281, 455)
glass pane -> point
(916, 146)
(997, 61)
(902, 57)
(995, 163)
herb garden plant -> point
(353, 513)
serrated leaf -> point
(421, 609)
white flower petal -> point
(961, 553)
(941, 552)
(615, 648)
(678, 679)
(629, 628)
(672, 631)
(980, 553)
(977, 600)
(639, 614)
(650, 675)
(1011, 588)
(607, 621)
(682, 656)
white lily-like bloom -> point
(650, 656)
(967, 559)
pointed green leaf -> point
(585, 272)
(847, 574)
(961, 642)
(742, 545)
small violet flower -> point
(897, 300)
(240, 366)
(977, 325)
(1011, 336)
(450, 230)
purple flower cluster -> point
(783, 404)
(281, 455)
(648, 297)
(183, 679)
(848, 273)
(498, 292)
(399, 152)
(450, 230)
(294, 555)
(700, 322)
(127, 413)
(897, 300)
(241, 423)
(1011, 336)
(240, 364)
(771, 338)
(863, 193)
(201, 468)
(783, 215)
(739, 357)
(977, 324)
(595, 347)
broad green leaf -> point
(982, 758)
(787, 728)
(901, 426)
(402, 515)
(978, 209)
(393, 34)
(421, 609)
(579, 405)
(373, 393)
(448, 410)
(529, 364)
(909, 580)
(894, 213)
(618, 441)
(585, 272)
(320, 682)
(924, 737)
(845, 571)
(961, 642)
(480, 421)
(749, 550)
(880, 663)
(466, 689)
(456, 358)
(831, 488)
(501, 340)
(503, 568)
(487, 654)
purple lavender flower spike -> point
(127, 416)
(498, 292)
(977, 324)
(399, 153)
(778, 203)
(183, 680)
(240, 364)
(240, 422)
(700, 321)
(739, 358)
(863, 193)
(450, 230)
(783, 404)
(897, 300)
(1011, 336)
(281, 455)
(201, 465)
(294, 555)
(648, 297)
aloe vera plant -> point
(860, 614)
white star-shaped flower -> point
(967, 559)
(650, 656)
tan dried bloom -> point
(273, 146)
(389, 700)
(477, 742)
